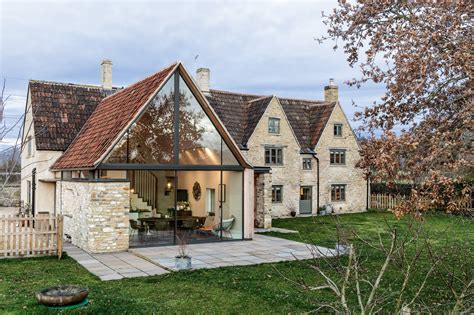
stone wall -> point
(263, 200)
(96, 214)
(291, 174)
(10, 196)
(348, 174)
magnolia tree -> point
(421, 130)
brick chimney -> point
(331, 92)
(106, 73)
(203, 77)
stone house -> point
(168, 157)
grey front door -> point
(306, 199)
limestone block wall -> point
(348, 174)
(96, 214)
(10, 196)
(263, 200)
(291, 174)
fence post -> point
(59, 235)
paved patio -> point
(141, 262)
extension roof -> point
(110, 117)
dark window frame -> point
(337, 130)
(337, 156)
(338, 192)
(273, 157)
(272, 128)
(307, 164)
(274, 193)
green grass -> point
(256, 289)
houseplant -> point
(182, 260)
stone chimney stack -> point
(331, 92)
(203, 77)
(106, 74)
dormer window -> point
(274, 125)
(337, 130)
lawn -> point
(259, 289)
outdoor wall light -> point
(132, 190)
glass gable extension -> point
(185, 181)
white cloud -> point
(266, 47)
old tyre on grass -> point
(62, 295)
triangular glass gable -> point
(199, 140)
(150, 140)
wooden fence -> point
(31, 236)
(385, 201)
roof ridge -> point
(320, 102)
(71, 84)
(136, 83)
(260, 98)
(236, 93)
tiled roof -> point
(240, 114)
(60, 110)
(232, 111)
(111, 116)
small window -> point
(29, 146)
(338, 192)
(274, 156)
(338, 130)
(306, 163)
(277, 193)
(274, 125)
(337, 157)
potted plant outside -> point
(343, 242)
(322, 210)
(182, 260)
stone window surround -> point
(334, 129)
(281, 193)
(273, 147)
(345, 185)
(345, 157)
(310, 164)
(273, 130)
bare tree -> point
(358, 287)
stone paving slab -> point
(150, 261)
(262, 249)
(113, 266)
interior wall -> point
(207, 179)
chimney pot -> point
(203, 77)
(106, 73)
(331, 92)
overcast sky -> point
(264, 47)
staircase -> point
(144, 184)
